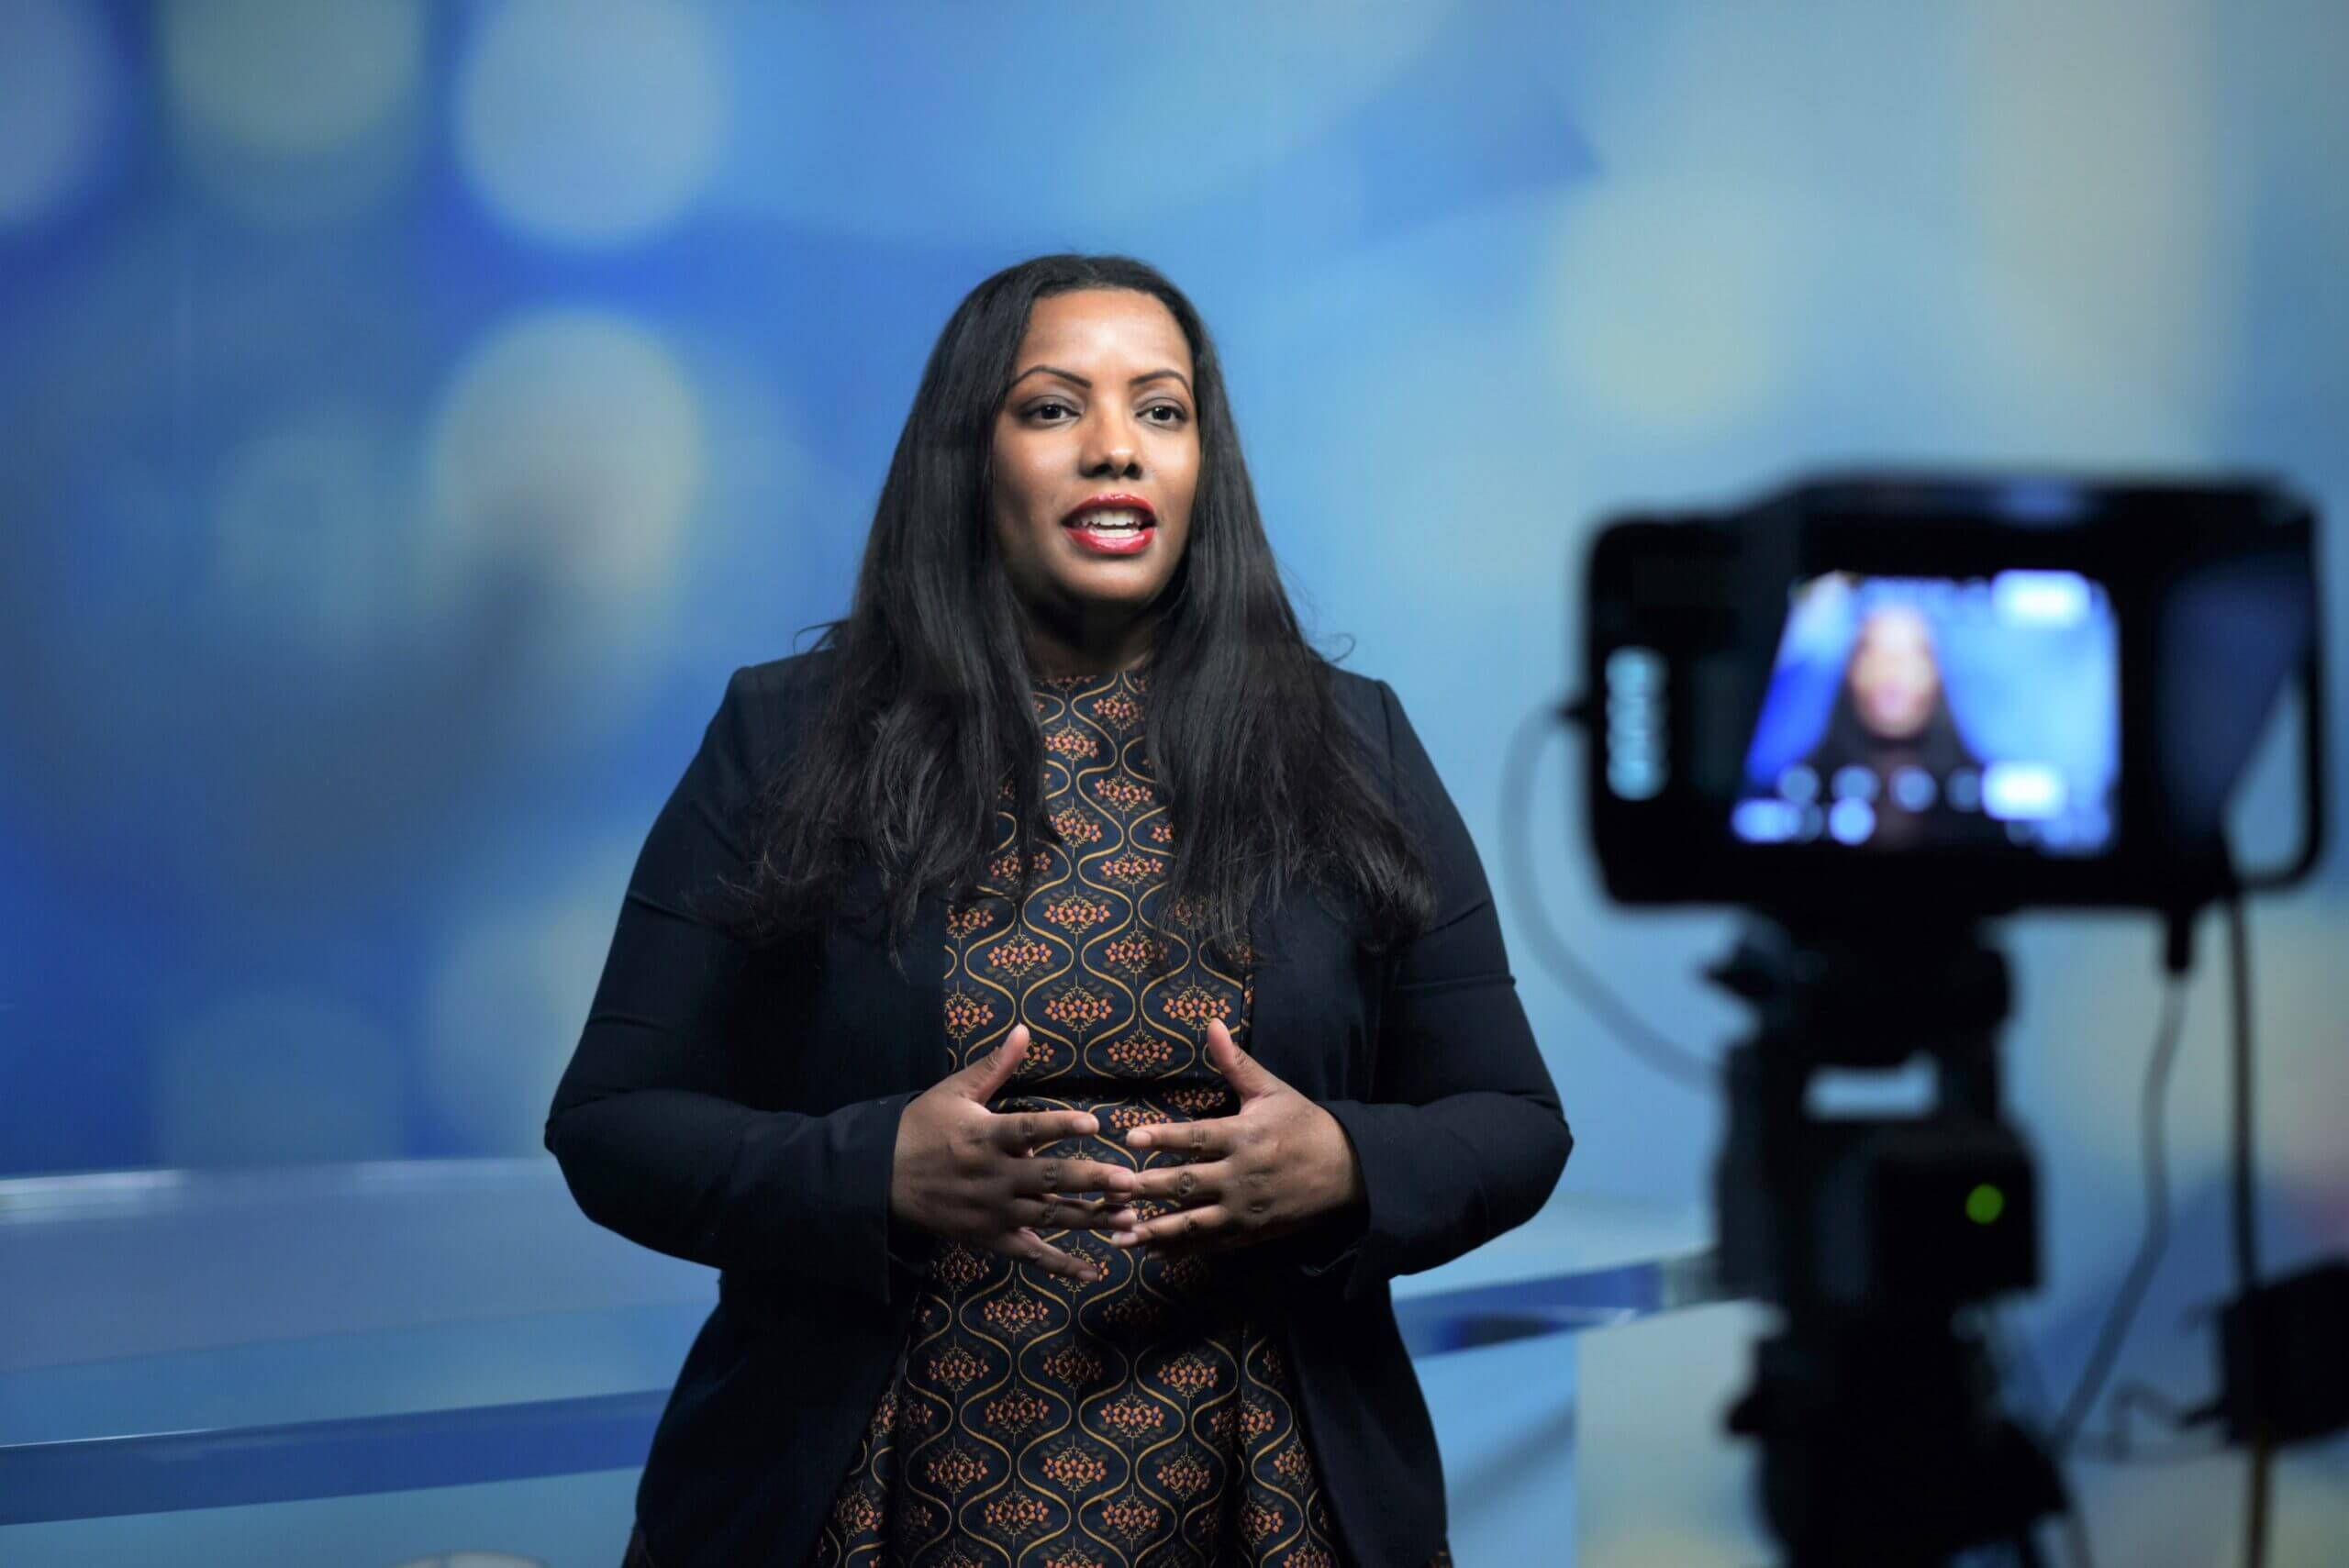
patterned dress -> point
(1149, 1418)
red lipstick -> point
(1124, 540)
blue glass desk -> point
(234, 1347)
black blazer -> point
(741, 1111)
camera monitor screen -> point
(1909, 713)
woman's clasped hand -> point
(1268, 1169)
(968, 1173)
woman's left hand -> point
(1268, 1169)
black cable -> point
(1675, 1062)
(2243, 1153)
(2242, 1195)
(2153, 1136)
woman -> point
(1057, 1004)
(1891, 746)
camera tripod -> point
(1882, 1439)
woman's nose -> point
(1112, 451)
(1115, 461)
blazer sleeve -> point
(649, 1122)
(1462, 1137)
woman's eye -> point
(1173, 408)
(1043, 408)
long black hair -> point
(927, 727)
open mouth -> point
(1116, 525)
(1111, 524)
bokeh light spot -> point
(56, 89)
(567, 451)
(291, 77)
(590, 123)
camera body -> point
(1973, 693)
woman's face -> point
(1099, 425)
(1895, 678)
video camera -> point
(1875, 711)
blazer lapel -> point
(1290, 1004)
(920, 1030)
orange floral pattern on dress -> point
(1134, 872)
(1130, 1312)
(1076, 915)
(1120, 710)
(1076, 828)
(1073, 1467)
(1185, 1475)
(1015, 957)
(1021, 1515)
(1134, 1416)
(966, 1012)
(1185, 1273)
(1079, 1010)
(959, 1266)
(1134, 956)
(1188, 1375)
(1005, 869)
(1014, 1316)
(956, 1367)
(956, 1467)
(1015, 1411)
(1138, 1055)
(1122, 794)
(1194, 1004)
(1122, 1119)
(1073, 1366)
(1203, 1101)
(1152, 1416)
(857, 1511)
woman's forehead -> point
(1107, 327)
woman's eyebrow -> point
(1087, 381)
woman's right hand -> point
(964, 1172)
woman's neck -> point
(1054, 658)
